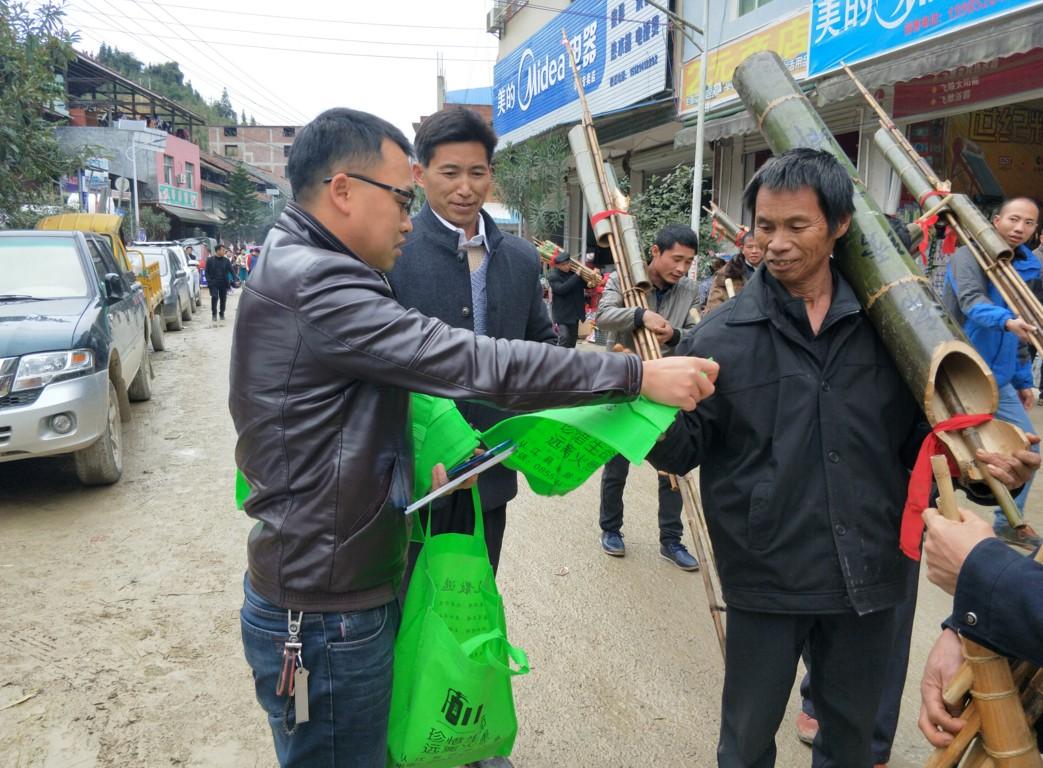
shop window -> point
(231, 150)
(748, 6)
(168, 169)
(231, 131)
(289, 132)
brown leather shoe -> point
(807, 728)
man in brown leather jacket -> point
(323, 360)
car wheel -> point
(177, 323)
(140, 388)
(102, 462)
(186, 313)
(158, 344)
(199, 299)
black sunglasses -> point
(408, 195)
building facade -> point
(263, 146)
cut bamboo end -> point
(958, 688)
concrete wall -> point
(263, 146)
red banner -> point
(966, 86)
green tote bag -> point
(451, 700)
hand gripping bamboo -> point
(614, 228)
(998, 713)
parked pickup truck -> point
(147, 274)
(73, 350)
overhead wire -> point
(262, 90)
(397, 44)
(350, 54)
(162, 50)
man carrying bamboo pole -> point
(998, 603)
(805, 452)
(998, 334)
(671, 301)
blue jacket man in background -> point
(998, 334)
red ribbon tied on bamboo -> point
(601, 215)
(918, 497)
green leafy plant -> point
(34, 49)
(667, 199)
(155, 223)
(530, 179)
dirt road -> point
(118, 611)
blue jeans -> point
(349, 660)
(1012, 411)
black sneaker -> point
(679, 556)
(222, 315)
(612, 543)
(1025, 537)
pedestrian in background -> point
(671, 301)
(568, 307)
(219, 278)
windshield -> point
(41, 268)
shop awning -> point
(989, 41)
(190, 215)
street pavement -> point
(118, 610)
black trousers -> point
(455, 514)
(215, 294)
(568, 334)
(885, 724)
(849, 655)
(614, 479)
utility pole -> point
(700, 129)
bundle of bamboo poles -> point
(999, 717)
(975, 231)
(615, 229)
(548, 250)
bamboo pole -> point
(634, 291)
(1005, 734)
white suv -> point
(191, 266)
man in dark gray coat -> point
(569, 302)
(458, 266)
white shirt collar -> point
(478, 239)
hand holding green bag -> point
(451, 700)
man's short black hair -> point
(1026, 198)
(338, 140)
(801, 168)
(452, 126)
(676, 234)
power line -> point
(262, 90)
(325, 21)
(321, 53)
(397, 44)
(165, 52)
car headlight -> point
(39, 370)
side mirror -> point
(114, 287)
(180, 273)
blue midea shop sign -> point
(620, 49)
(852, 31)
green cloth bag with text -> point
(451, 698)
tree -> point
(224, 108)
(34, 46)
(530, 178)
(242, 119)
(155, 223)
(243, 211)
(667, 199)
